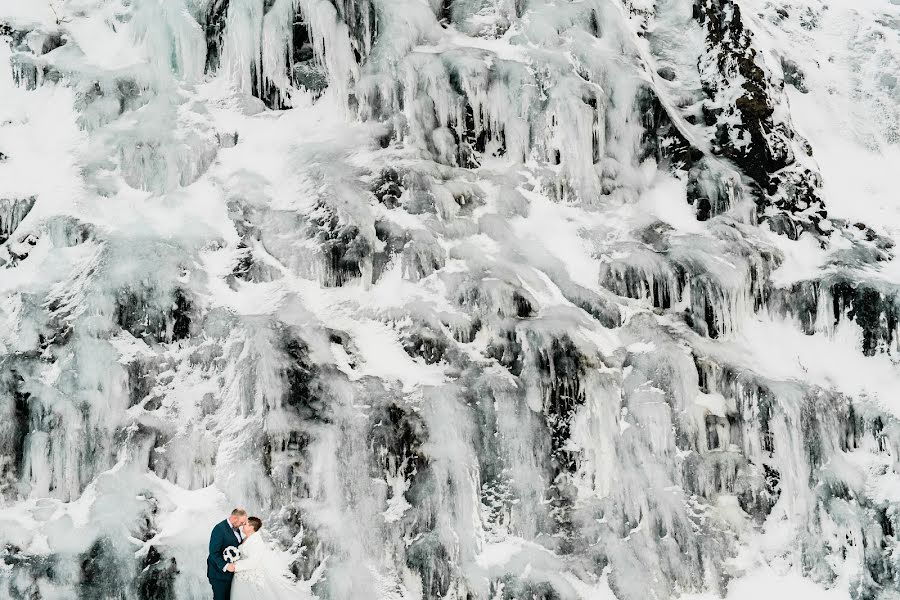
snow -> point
(769, 583)
(850, 114)
(456, 325)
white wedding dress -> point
(256, 576)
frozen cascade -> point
(468, 299)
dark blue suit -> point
(221, 537)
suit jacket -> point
(222, 536)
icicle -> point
(331, 43)
(242, 44)
(172, 39)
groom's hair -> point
(239, 512)
(255, 523)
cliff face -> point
(468, 299)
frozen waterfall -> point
(467, 299)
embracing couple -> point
(241, 567)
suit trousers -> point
(221, 588)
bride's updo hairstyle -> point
(255, 523)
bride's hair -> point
(255, 523)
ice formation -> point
(468, 299)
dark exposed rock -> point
(12, 212)
(66, 232)
(156, 581)
(35, 570)
(102, 576)
(602, 309)
(250, 266)
(472, 143)
(394, 240)
(561, 368)
(216, 15)
(506, 349)
(514, 588)
(244, 264)
(822, 424)
(709, 189)
(227, 139)
(28, 45)
(344, 248)
(361, 17)
(500, 299)
(308, 75)
(395, 439)
(141, 380)
(877, 314)
(428, 557)
(524, 307)
(14, 424)
(418, 252)
(425, 343)
(388, 187)
(667, 73)
(759, 143)
(303, 70)
(663, 287)
(445, 13)
(295, 533)
(141, 313)
(304, 405)
(793, 75)
(661, 139)
(301, 392)
(875, 310)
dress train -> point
(256, 577)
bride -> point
(255, 577)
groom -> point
(225, 534)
